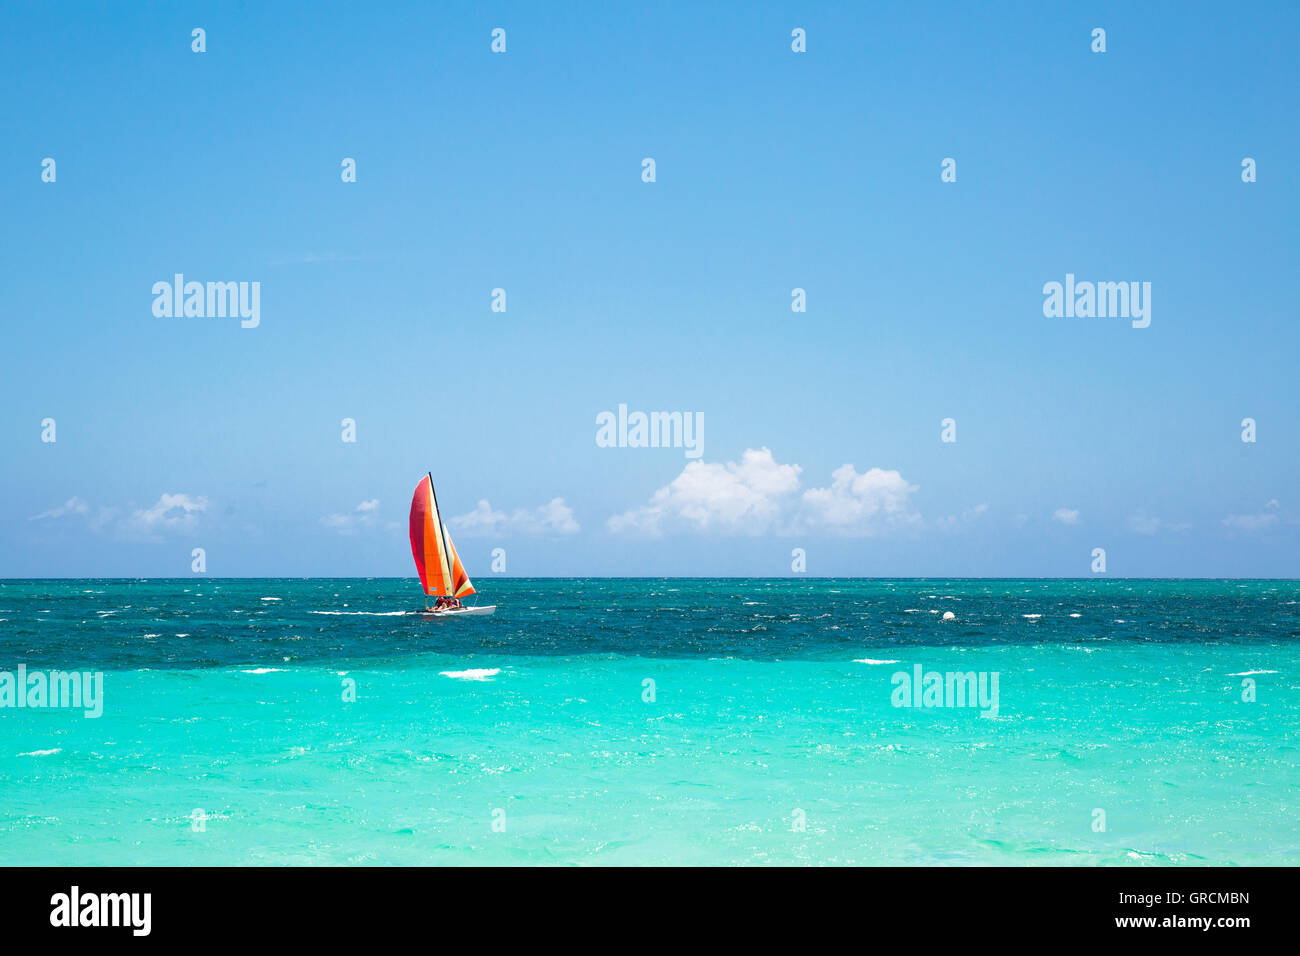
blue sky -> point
(774, 170)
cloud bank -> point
(362, 516)
(554, 517)
(170, 514)
(758, 495)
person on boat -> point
(454, 602)
(440, 604)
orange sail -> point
(435, 556)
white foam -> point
(367, 613)
(868, 660)
(264, 670)
(482, 673)
(270, 599)
(1248, 673)
(1076, 614)
(42, 753)
(1032, 617)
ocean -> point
(656, 721)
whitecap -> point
(270, 599)
(42, 753)
(264, 670)
(1032, 617)
(868, 660)
(482, 673)
(367, 613)
(1248, 673)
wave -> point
(368, 613)
(482, 673)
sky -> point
(774, 170)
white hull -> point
(457, 611)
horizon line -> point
(656, 577)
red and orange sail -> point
(435, 556)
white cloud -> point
(1142, 523)
(738, 497)
(958, 522)
(1250, 523)
(73, 506)
(362, 516)
(554, 517)
(1066, 515)
(860, 505)
(171, 513)
(757, 495)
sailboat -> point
(441, 572)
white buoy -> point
(949, 616)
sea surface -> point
(655, 721)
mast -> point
(442, 529)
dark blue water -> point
(221, 622)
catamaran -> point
(441, 572)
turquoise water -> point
(772, 704)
